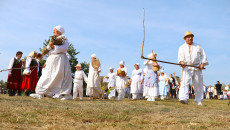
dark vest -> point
(17, 64)
(33, 63)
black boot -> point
(19, 93)
(13, 93)
(10, 92)
(29, 92)
(26, 93)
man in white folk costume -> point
(56, 79)
(191, 53)
(112, 84)
(78, 82)
(151, 87)
(121, 80)
(136, 82)
(93, 86)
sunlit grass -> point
(27, 113)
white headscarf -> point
(94, 55)
(60, 29)
(122, 62)
(150, 55)
(137, 64)
(111, 68)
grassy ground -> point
(27, 113)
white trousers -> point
(78, 89)
(197, 80)
(121, 93)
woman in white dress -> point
(121, 81)
(112, 84)
(56, 79)
(136, 82)
(163, 85)
(93, 86)
(151, 88)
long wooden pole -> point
(142, 56)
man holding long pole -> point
(191, 53)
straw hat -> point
(78, 65)
(187, 33)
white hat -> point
(78, 65)
(111, 68)
(162, 70)
(137, 64)
(60, 29)
(122, 63)
(94, 55)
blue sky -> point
(113, 30)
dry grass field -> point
(27, 113)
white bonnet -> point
(94, 55)
(60, 29)
(122, 62)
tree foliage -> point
(3, 84)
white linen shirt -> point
(11, 64)
(195, 57)
(80, 75)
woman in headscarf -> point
(121, 80)
(163, 85)
(136, 82)
(93, 89)
(56, 79)
(151, 88)
(112, 84)
(30, 74)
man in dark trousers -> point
(218, 89)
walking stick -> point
(142, 56)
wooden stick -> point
(143, 33)
(142, 56)
(170, 62)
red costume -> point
(30, 81)
(14, 81)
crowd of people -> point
(54, 80)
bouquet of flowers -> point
(56, 40)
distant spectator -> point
(228, 94)
(205, 91)
(218, 89)
(225, 94)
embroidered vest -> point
(17, 64)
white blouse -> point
(195, 57)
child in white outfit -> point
(78, 82)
